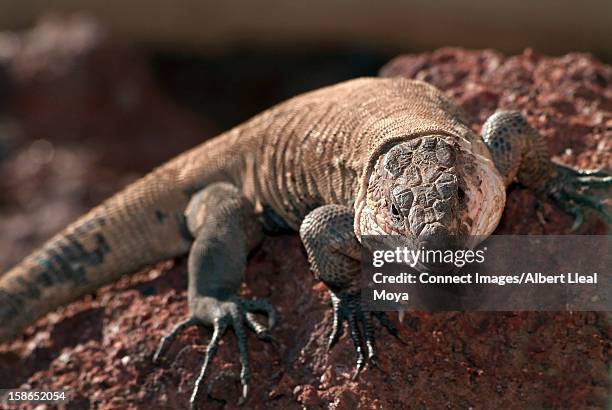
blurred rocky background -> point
(91, 101)
(551, 26)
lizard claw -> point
(571, 190)
(235, 312)
(336, 322)
(348, 307)
(260, 331)
(168, 339)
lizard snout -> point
(435, 236)
(437, 239)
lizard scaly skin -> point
(370, 156)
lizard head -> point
(416, 196)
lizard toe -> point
(361, 330)
(168, 339)
(571, 191)
(236, 313)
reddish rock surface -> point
(101, 347)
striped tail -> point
(139, 226)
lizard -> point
(370, 156)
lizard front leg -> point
(520, 154)
(225, 228)
(334, 255)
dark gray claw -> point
(368, 334)
(571, 190)
(349, 307)
(337, 322)
(357, 340)
(594, 182)
(235, 313)
(167, 340)
(261, 306)
(237, 318)
(589, 201)
(601, 175)
(262, 332)
(219, 330)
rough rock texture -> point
(102, 346)
(80, 117)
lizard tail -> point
(139, 226)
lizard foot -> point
(348, 307)
(235, 312)
(571, 191)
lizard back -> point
(317, 148)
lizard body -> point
(370, 156)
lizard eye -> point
(396, 216)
